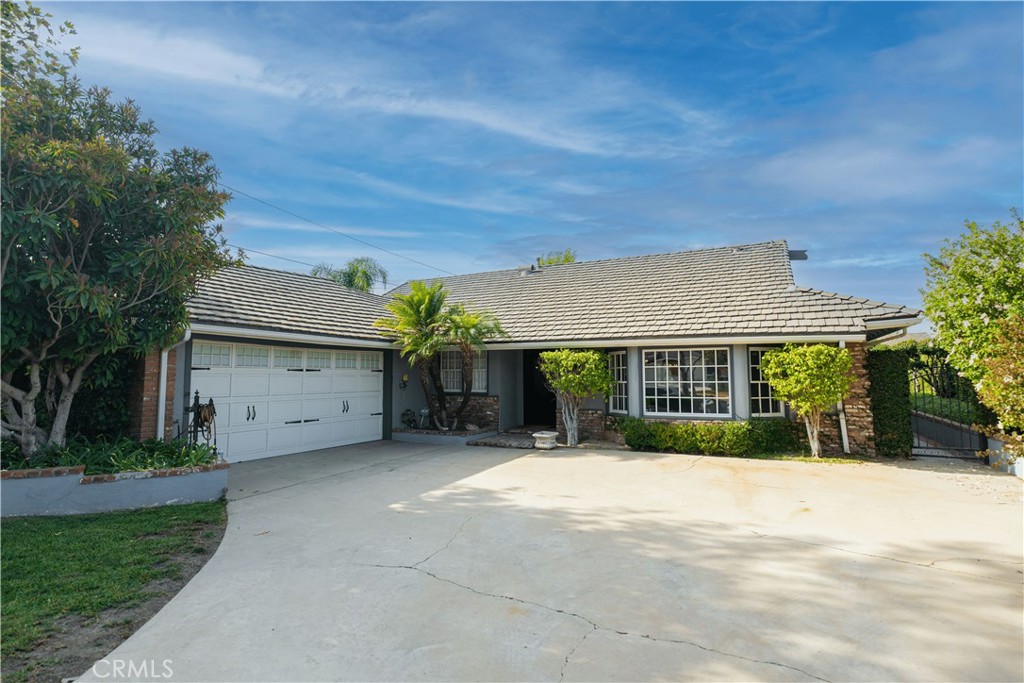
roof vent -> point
(526, 270)
(797, 254)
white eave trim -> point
(274, 335)
(654, 342)
(891, 323)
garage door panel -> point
(247, 414)
(317, 383)
(211, 384)
(346, 432)
(374, 382)
(317, 434)
(316, 408)
(248, 442)
(285, 411)
(284, 383)
(342, 381)
(251, 384)
(283, 438)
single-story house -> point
(294, 363)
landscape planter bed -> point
(434, 436)
(68, 490)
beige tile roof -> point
(266, 299)
(745, 290)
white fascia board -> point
(654, 342)
(893, 323)
(272, 335)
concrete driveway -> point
(407, 562)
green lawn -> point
(53, 567)
(950, 408)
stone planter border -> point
(68, 491)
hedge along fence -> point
(888, 370)
(750, 437)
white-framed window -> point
(762, 401)
(451, 371)
(371, 360)
(687, 382)
(211, 355)
(287, 358)
(346, 360)
(618, 401)
(252, 357)
(318, 359)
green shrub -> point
(776, 435)
(752, 437)
(888, 369)
(104, 456)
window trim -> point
(731, 414)
(480, 353)
(624, 383)
(750, 382)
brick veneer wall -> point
(143, 397)
(592, 423)
(482, 411)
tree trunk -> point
(441, 417)
(571, 418)
(467, 384)
(69, 388)
(19, 408)
(428, 389)
(813, 423)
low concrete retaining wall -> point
(1002, 459)
(67, 491)
(439, 439)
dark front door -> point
(538, 401)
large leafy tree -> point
(554, 258)
(574, 376)
(973, 283)
(360, 273)
(1002, 388)
(104, 237)
(424, 324)
(811, 379)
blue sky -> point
(476, 136)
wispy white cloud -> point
(175, 54)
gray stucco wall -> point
(64, 495)
(411, 397)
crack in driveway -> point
(593, 624)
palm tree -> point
(359, 273)
(468, 331)
(425, 325)
(420, 323)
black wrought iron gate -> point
(943, 415)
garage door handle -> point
(254, 412)
(248, 413)
(345, 408)
(293, 422)
(315, 419)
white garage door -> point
(273, 401)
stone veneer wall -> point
(143, 397)
(592, 423)
(859, 425)
(482, 411)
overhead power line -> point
(263, 253)
(330, 229)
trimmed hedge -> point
(750, 437)
(888, 370)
